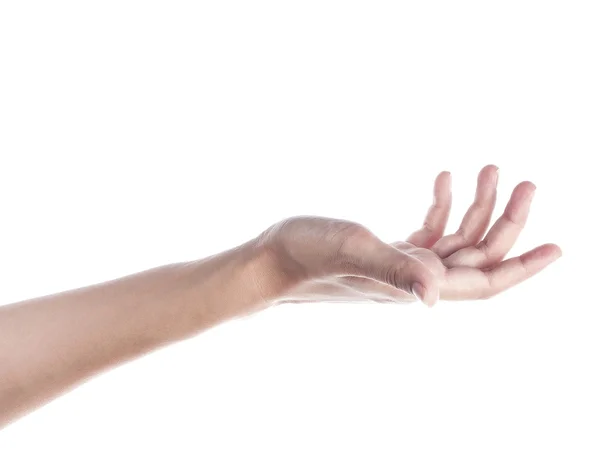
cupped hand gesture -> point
(321, 259)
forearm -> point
(50, 344)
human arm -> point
(50, 344)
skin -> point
(49, 345)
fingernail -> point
(418, 291)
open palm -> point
(343, 261)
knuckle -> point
(350, 235)
(462, 234)
(390, 276)
(395, 277)
(484, 247)
(429, 228)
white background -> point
(134, 134)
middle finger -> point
(477, 218)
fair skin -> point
(51, 344)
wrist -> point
(269, 271)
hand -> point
(322, 259)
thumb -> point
(382, 262)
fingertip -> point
(443, 187)
(489, 170)
(542, 256)
(427, 296)
(433, 297)
(447, 177)
(527, 185)
(443, 177)
(418, 291)
(522, 194)
(556, 251)
(488, 176)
